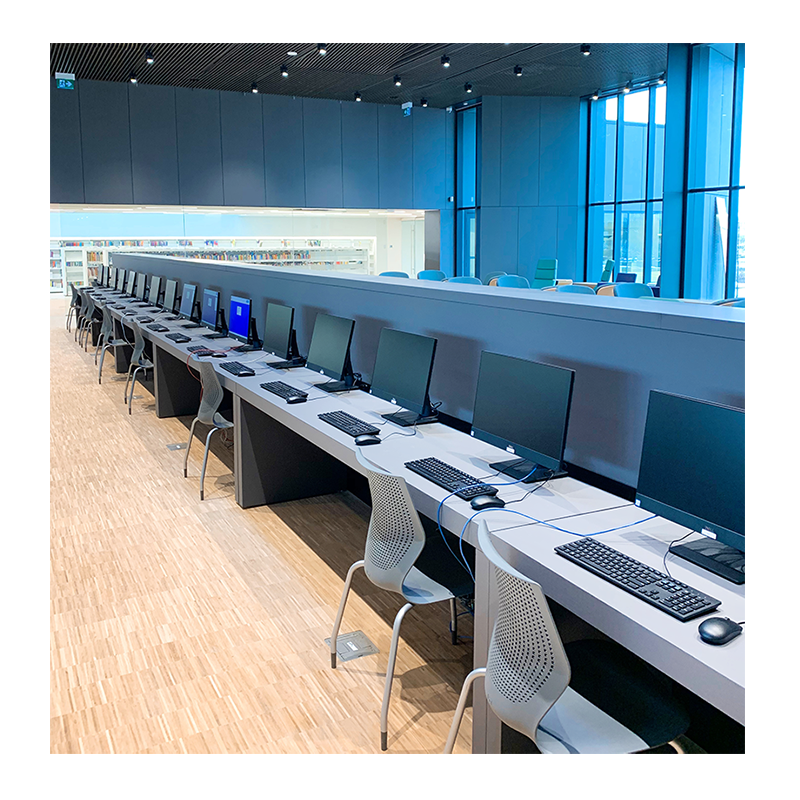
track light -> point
(285, 71)
(322, 49)
(467, 87)
(424, 102)
(133, 77)
(148, 57)
(626, 88)
(254, 87)
(518, 71)
(596, 95)
(357, 97)
(397, 81)
(445, 61)
(586, 49)
(662, 79)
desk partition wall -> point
(619, 353)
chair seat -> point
(221, 422)
(419, 589)
(145, 363)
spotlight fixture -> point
(467, 87)
(424, 102)
(357, 97)
(133, 77)
(626, 88)
(596, 95)
(322, 49)
(662, 79)
(518, 71)
(397, 81)
(586, 49)
(254, 87)
(148, 57)
(285, 71)
(445, 61)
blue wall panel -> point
(559, 138)
(449, 159)
(491, 150)
(538, 237)
(199, 147)
(360, 155)
(498, 239)
(106, 142)
(66, 160)
(395, 158)
(154, 145)
(429, 142)
(569, 251)
(242, 149)
(519, 165)
(322, 134)
(283, 151)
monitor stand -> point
(721, 559)
(337, 386)
(405, 419)
(518, 468)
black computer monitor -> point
(692, 473)
(188, 300)
(329, 352)
(210, 310)
(120, 284)
(130, 282)
(239, 318)
(279, 338)
(523, 406)
(170, 291)
(155, 290)
(141, 285)
(112, 277)
(103, 275)
(402, 375)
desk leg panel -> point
(273, 464)
(177, 392)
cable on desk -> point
(400, 433)
(669, 550)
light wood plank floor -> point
(186, 627)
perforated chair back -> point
(395, 537)
(431, 275)
(397, 274)
(632, 290)
(513, 282)
(489, 275)
(212, 395)
(90, 305)
(608, 271)
(76, 298)
(546, 269)
(138, 343)
(465, 279)
(575, 289)
(527, 669)
(107, 329)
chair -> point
(632, 290)
(513, 282)
(575, 289)
(487, 278)
(626, 277)
(605, 289)
(465, 279)
(80, 314)
(431, 275)
(736, 302)
(106, 340)
(210, 400)
(138, 363)
(393, 275)
(92, 314)
(74, 305)
(395, 540)
(608, 272)
(591, 696)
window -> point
(626, 180)
(468, 123)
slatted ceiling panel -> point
(368, 68)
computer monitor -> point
(692, 473)
(329, 352)
(141, 285)
(120, 284)
(279, 338)
(187, 300)
(523, 406)
(209, 312)
(402, 375)
(155, 290)
(130, 283)
(239, 318)
(170, 291)
(102, 274)
(112, 277)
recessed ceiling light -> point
(292, 53)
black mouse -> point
(366, 438)
(486, 501)
(296, 398)
(218, 355)
(718, 630)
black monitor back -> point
(329, 352)
(403, 369)
(130, 282)
(141, 285)
(170, 292)
(155, 289)
(278, 327)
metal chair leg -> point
(205, 461)
(462, 704)
(453, 621)
(133, 383)
(340, 613)
(100, 340)
(387, 690)
(100, 368)
(188, 447)
(127, 381)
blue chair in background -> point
(571, 287)
(632, 290)
(431, 275)
(545, 275)
(465, 279)
(489, 275)
(393, 275)
(608, 272)
(513, 282)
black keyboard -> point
(283, 390)
(178, 337)
(200, 352)
(143, 320)
(158, 328)
(291, 364)
(454, 480)
(654, 587)
(195, 348)
(348, 423)
(235, 368)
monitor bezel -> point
(404, 402)
(328, 373)
(210, 326)
(286, 353)
(233, 335)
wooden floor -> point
(181, 626)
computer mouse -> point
(297, 398)
(218, 355)
(366, 438)
(486, 501)
(718, 630)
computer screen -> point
(278, 328)
(208, 315)
(403, 368)
(130, 282)
(330, 345)
(141, 285)
(120, 284)
(523, 407)
(187, 300)
(692, 466)
(170, 291)
(112, 278)
(103, 274)
(239, 318)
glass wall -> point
(468, 122)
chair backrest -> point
(395, 537)
(212, 394)
(431, 275)
(394, 274)
(542, 283)
(575, 289)
(513, 282)
(76, 298)
(608, 271)
(138, 342)
(465, 279)
(90, 305)
(607, 289)
(107, 330)
(489, 275)
(632, 290)
(546, 269)
(527, 669)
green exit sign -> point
(65, 80)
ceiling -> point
(548, 69)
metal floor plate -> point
(179, 446)
(353, 645)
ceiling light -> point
(518, 71)
(357, 97)
(292, 53)
(149, 57)
(397, 81)
(626, 88)
(285, 71)
(596, 95)
(586, 49)
(133, 77)
(254, 87)
(467, 87)
(424, 102)
(662, 79)
(322, 49)
(445, 61)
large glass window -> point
(467, 189)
